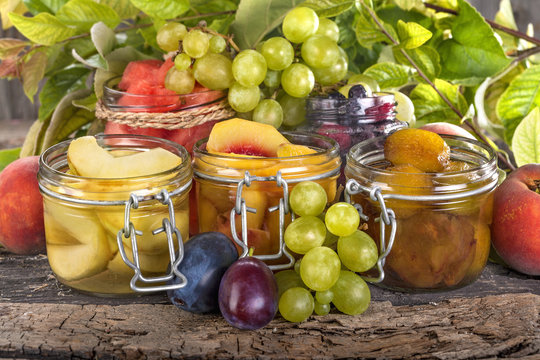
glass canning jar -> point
(250, 194)
(432, 228)
(95, 226)
(350, 121)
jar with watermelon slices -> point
(139, 103)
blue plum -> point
(206, 258)
(248, 294)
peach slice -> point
(245, 137)
(87, 158)
(287, 149)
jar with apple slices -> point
(434, 225)
(116, 212)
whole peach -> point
(21, 208)
(516, 219)
(444, 128)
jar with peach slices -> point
(428, 202)
(116, 212)
(243, 173)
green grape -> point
(332, 74)
(304, 233)
(272, 79)
(169, 36)
(330, 239)
(404, 108)
(296, 304)
(328, 28)
(182, 61)
(297, 266)
(364, 80)
(358, 251)
(324, 297)
(242, 98)
(268, 112)
(318, 51)
(249, 68)
(342, 219)
(351, 293)
(278, 53)
(217, 44)
(297, 80)
(308, 198)
(196, 43)
(294, 110)
(299, 24)
(181, 82)
(245, 115)
(213, 71)
(287, 279)
(320, 268)
(321, 309)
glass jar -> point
(250, 194)
(94, 226)
(183, 119)
(433, 227)
(350, 121)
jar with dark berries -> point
(350, 120)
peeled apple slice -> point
(77, 246)
(87, 158)
(153, 263)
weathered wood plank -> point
(490, 327)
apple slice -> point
(77, 246)
(87, 158)
(150, 263)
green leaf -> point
(34, 138)
(57, 86)
(473, 53)
(7, 156)
(430, 107)
(483, 121)
(255, 18)
(412, 35)
(44, 28)
(367, 31)
(67, 118)
(49, 6)
(10, 47)
(103, 38)
(425, 57)
(84, 13)
(410, 4)
(32, 73)
(521, 96)
(526, 140)
(505, 17)
(329, 8)
(162, 9)
(388, 75)
(88, 103)
(124, 8)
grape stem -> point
(481, 136)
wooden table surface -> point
(497, 316)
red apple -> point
(21, 208)
(516, 220)
(444, 128)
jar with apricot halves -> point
(436, 207)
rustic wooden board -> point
(490, 327)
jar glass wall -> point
(442, 238)
(83, 216)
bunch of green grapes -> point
(329, 274)
(268, 84)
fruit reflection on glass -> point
(81, 238)
(236, 146)
(440, 243)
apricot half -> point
(425, 150)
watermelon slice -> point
(136, 71)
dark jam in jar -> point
(354, 119)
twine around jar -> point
(181, 119)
